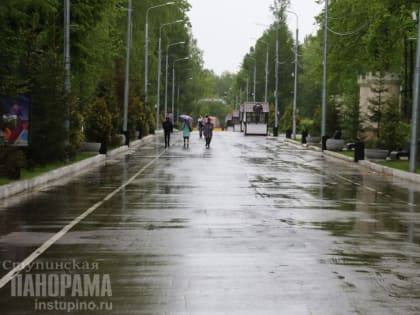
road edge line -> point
(48, 243)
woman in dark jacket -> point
(208, 132)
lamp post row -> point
(159, 69)
(146, 44)
(173, 83)
(146, 60)
(295, 89)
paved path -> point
(250, 226)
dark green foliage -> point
(98, 121)
(48, 110)
(12, 159)
(349, 118)
(394, 132)
(31, 62)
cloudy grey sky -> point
(226, 29)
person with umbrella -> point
(167, 129)
(200, 126)
(186, 130)
(208, 131)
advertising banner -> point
(15, 121)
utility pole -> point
(127, 74)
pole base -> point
(276, 131)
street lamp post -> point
(146, 44)
(266, 69)
(415, 111)
(255, 77)
(127, 74)
(324, 80)
(296, 75)
(276, 96)
(247, 88)
(160, 70)
(67, 80)
(173, 82)
(266, 74)
(166, 74)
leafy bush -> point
(12, 160)
(98, 121)
(76, 135)
(394, 132)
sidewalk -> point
(67, 171)
(413, 177)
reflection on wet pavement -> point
(251, 226)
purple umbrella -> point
(186, 117)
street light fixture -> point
(146, 44)
(296, 75)
(166, 73)
(173, 82)
(159, 69)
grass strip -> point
(40, 170)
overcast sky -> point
(226, 29)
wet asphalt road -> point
(251, 226)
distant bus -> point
(255, 118)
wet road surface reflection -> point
(251, 226)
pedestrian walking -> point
(186, 130)
(200, 126)
(304, 135)
(167, 129)
(208, 131)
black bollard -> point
(359, 151)
(324, 142)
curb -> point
(380, 169)
(68, 171)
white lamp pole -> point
(324, 80)
(255, 77)
(276, 92)
(67, 80)
(127, 74)
(415, 111)
(266, 69)
(296, 74)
